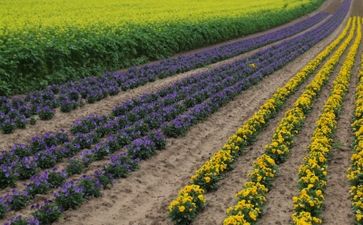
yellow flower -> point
(359, 217)
(201, 198)
(181, 208)
(252, 215)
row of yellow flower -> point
(313, 172)
(252, 197)
(355, 173)
(207, 176)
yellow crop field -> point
(20, 14)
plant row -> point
(308, 204)
(355, 173)
(207, 176)
(252, 197)
(17, 112)
(129, 122)
(34, 58)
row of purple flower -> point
(17, 112)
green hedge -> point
(32, 61)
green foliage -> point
(45, 52)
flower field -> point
(245, 132)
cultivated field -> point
(262, 129)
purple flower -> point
(141, 148)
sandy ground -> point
(357, 9)
(142, 198)
(64, 120)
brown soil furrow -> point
(203, 138)
(147, 191)
(65, 120)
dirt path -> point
(64, 120)
(331, 6)
(142, 198)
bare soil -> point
(332, 5)
(357, 9)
